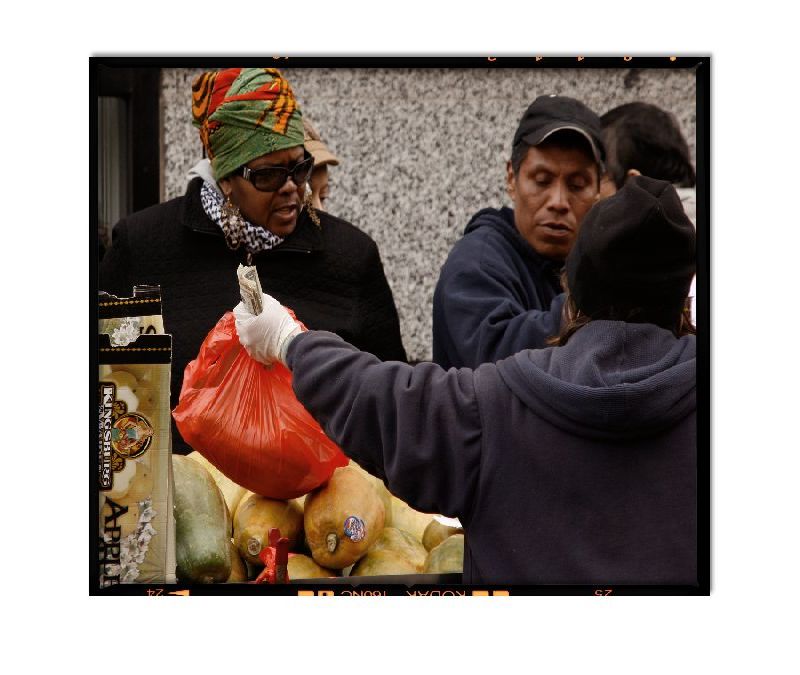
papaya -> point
(447, 557)
(299, 502)
(202, 525)
(383, 561)
(342, 518)
(244, 498)
(232, 492)
(256, 516)
(436, 532)
(380, 488)
(238, 573)
(302, 567)
(402, 543)
(406, 518)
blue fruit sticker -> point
(354, 528)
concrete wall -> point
(422, 150)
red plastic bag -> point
(244, 418)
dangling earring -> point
(232, 223)
(312, 212)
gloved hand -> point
(266, 337)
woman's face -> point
(319, 187)
(275, 211)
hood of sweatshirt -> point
(203, 170)
(612, 380)
(502, 221)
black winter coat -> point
(331, 276)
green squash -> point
(202, 525)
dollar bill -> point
(250, 289)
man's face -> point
(552, 191)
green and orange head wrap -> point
(244, 113)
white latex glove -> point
(266, 337)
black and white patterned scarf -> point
(255, 239)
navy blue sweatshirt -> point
(495, 295)
(566, 465)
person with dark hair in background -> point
(573, 464)
(499, 291)
(250, 204)
(642, 139)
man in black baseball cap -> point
(499, 290)
(550, 114)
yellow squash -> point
(238, 568)
(379, 563)
(256, 516)
(380, 489)
(302, 567)
(447, 557)
(342, 518)
(435, 533)
(406, 518)
(403, 544)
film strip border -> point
(529, 60)
(407, 587)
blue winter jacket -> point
(565, 465)
(495, 296)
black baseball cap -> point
(551, 113)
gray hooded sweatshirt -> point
(565, 465)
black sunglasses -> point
(273, 178)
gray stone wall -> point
(422, 150)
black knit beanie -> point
(634, 256)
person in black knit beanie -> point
(573, 464)
(634, 257)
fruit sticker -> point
(354, 528)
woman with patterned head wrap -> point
(251, 204)
(252, 131)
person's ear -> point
(632, 172)
(510, 188)
(226, 187)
